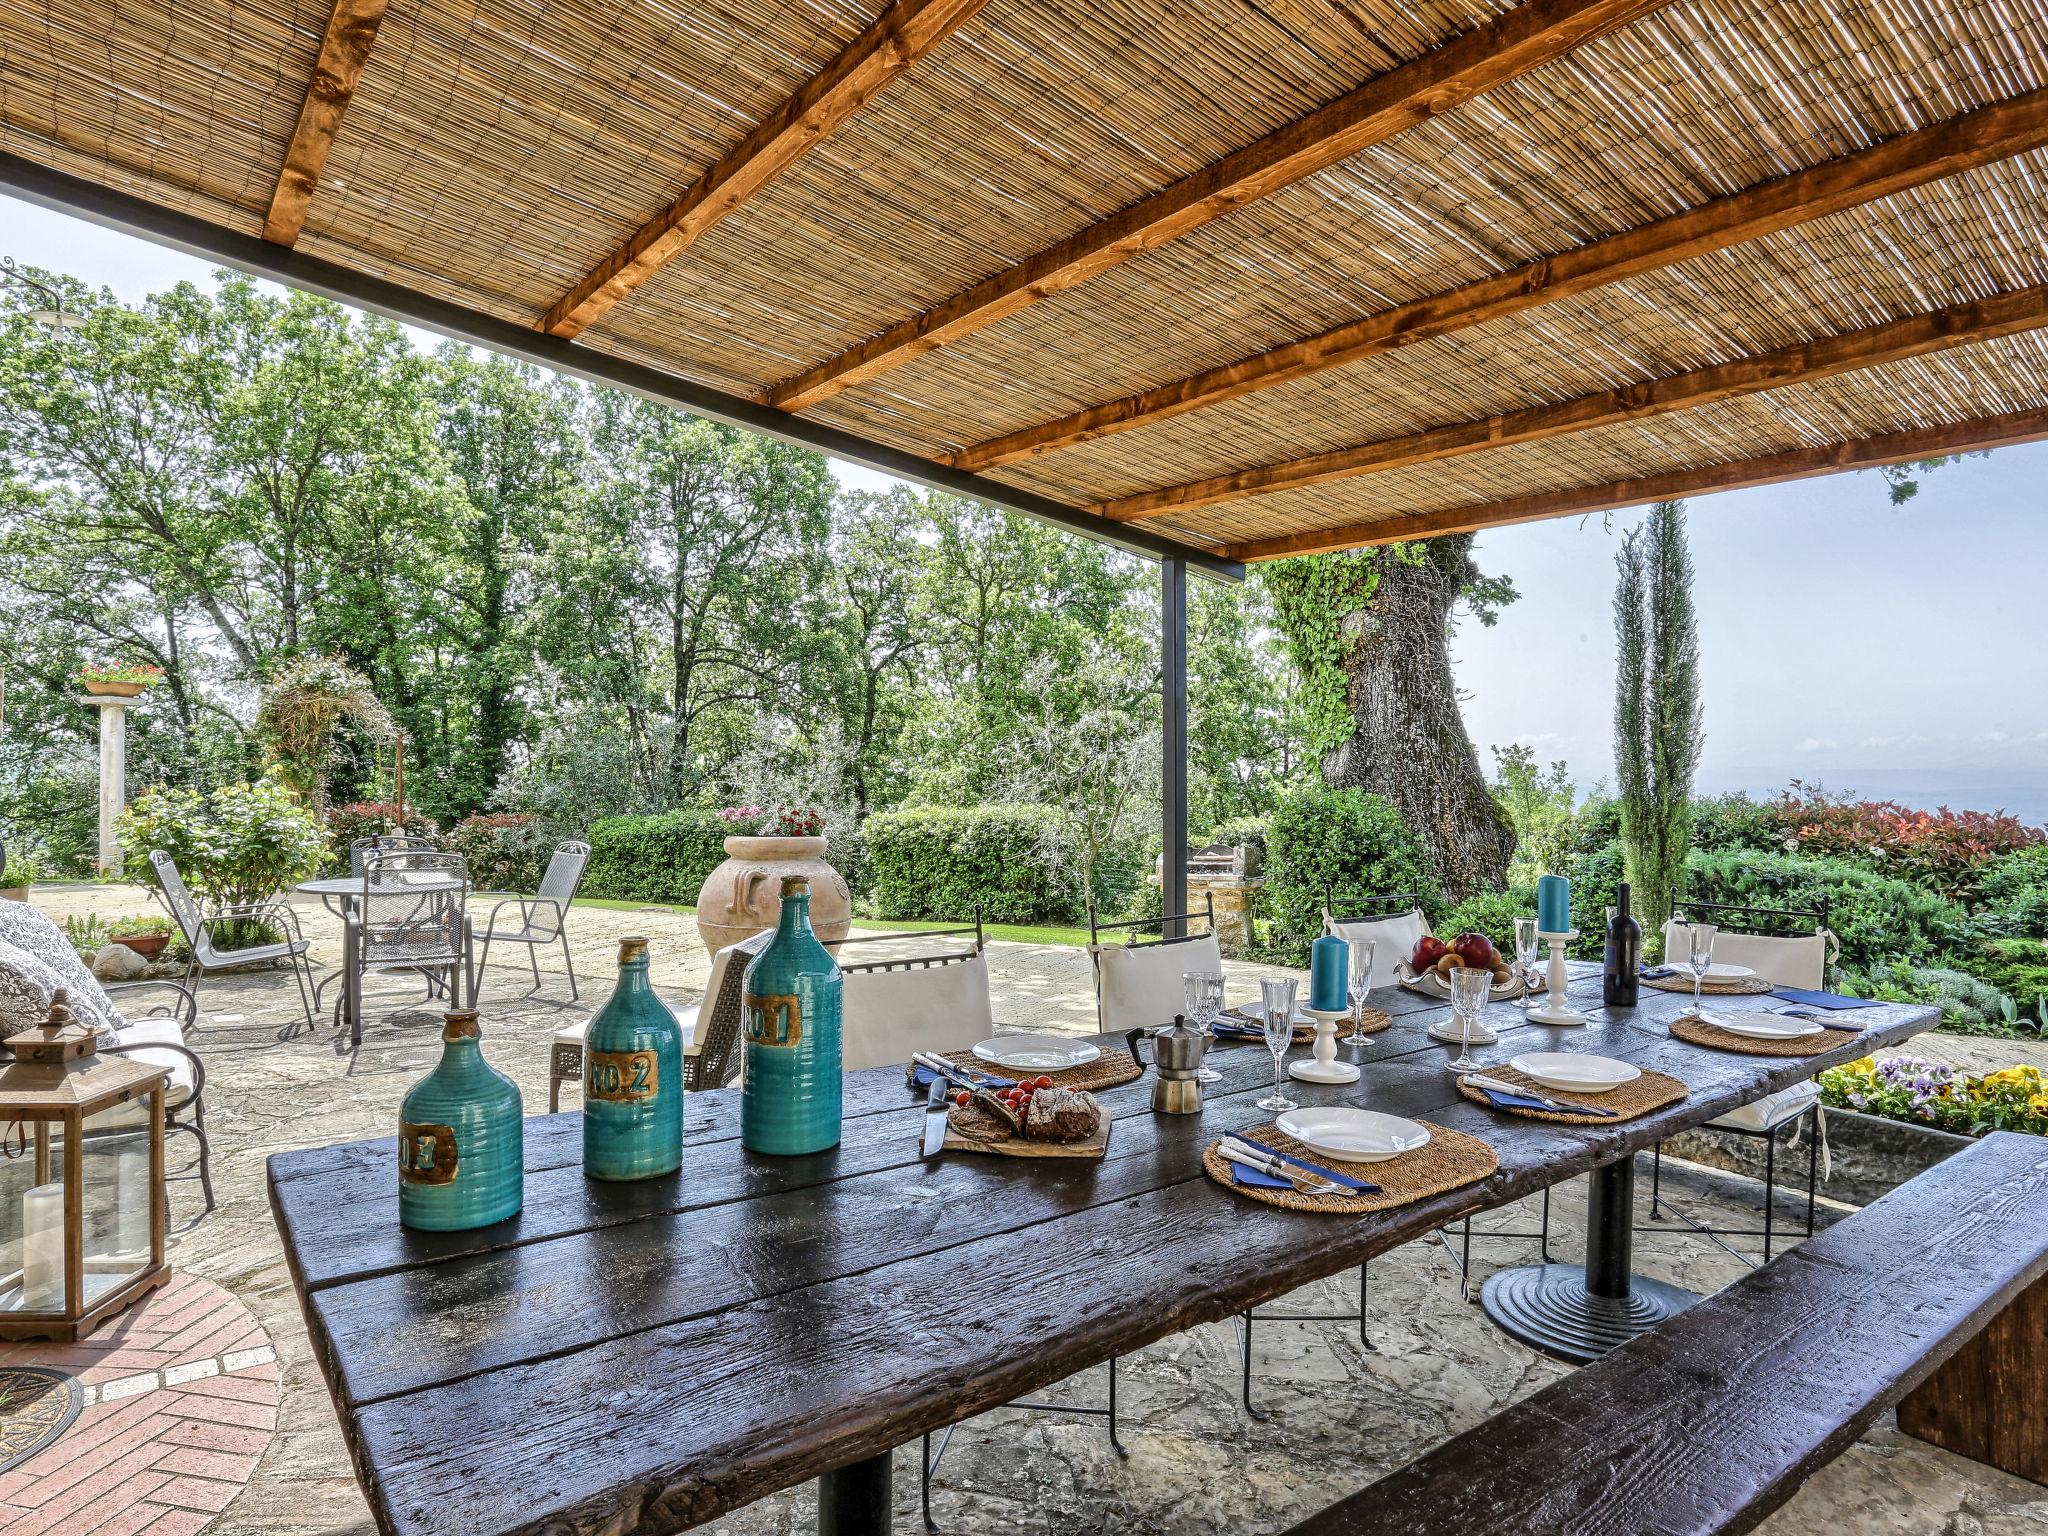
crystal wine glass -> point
(1277, 995)
(1362, 951)
(1203, 991)
(1470, 987)
(1525, 957)
(1700, 955)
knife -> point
(1290, 1165)
(1555, 1106)
(936, 1110)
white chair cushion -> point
(886, 1015)
(1138, 986)
(147, 1033)
(1772, 1110)
(1800, 961)
(1394, 939)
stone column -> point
(113, 773)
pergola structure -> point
(1221, 280)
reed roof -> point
(495, 153)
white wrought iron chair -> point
(543, 916)
(1138, 982)
(202, 929)
(910, 998)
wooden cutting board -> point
(969, 1129)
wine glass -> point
(1525, 957)
(1470, 987)
(1203, 991)
(1700, 956)
(1277, 995)
(1362, 951)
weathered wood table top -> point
(645, 1357)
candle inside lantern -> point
(131, 1204)
(1329, 963)
(42, 1249)
(1554, 904)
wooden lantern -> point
(81, 1181)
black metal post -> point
(854, 1500)
(1173, 738)
(1610, 1197)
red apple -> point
(1475, 950)
(1430, 950)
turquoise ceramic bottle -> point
(633, 1079)
(461, 1139)
(789, 1101)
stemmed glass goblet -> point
(1277, 996)
(1700, 957)
(1361, 983)
(1525, 957)
(1470, 988)
(1203, 992)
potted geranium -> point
(744, 894)
(119, 679)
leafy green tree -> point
(1246, 734)
(1541, 803)
(1656, 710)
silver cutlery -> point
(1299, 1167)
(1554, 1105)
(1237, 1152)
(935, 1113)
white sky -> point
(1843, 639)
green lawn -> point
(1009, 933)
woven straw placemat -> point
(1375, 1020)
(1739, 986)
(1450, 1160)
(1303, 1033)
(1698, 1032)
(1115, 1065)
(1653, 1090)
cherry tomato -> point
(963, 1098)
(1043, 1082)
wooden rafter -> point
(1739, 474)
(901, 36)
(351, 30)
(1895, 165)
(2006, 314)
(1531, 35)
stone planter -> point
(1870, 1155)
(13, 893)
(744, 894)
(116, 690)
(144, 944)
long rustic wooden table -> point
(641, 1358)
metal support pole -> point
(1173, 738)
(854, 1500)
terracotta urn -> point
(144, 944)
(744, 894)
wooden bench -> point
(1933, 1299)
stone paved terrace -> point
(1342, 1413)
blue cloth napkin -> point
(1501, 1100)
(1239, 1174)
(1233, 1029)
(923, 1076)
(1657, 972)
(1822, 999)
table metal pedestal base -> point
(854, 1500)
(1580, 1314)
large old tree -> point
(1370, 631)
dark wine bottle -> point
(1624, 958)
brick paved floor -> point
(181, 1402)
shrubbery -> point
(505, 850)
(660, 858)
(1341, 841)
(1017, 863)
(1493, 914)
(2014, 893)
(1943, 851)
(237, 846)
(1877, 918)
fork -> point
(1279, 1170)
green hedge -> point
(1492, 913)
(663, 857)
(1877, 918)
(2014, 891)
(1017, 863)
(1334, 840)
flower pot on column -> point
(744, 894)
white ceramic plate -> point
(1765, 1026)
(1719, 972)
(1568, 1072)
(1353, 1135)
(1038, 1053)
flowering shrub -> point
(120, 672)
(781, 823)
(789, 823)
(1942, 850)
(237, 846)
(506, 850)
(1923, 1092)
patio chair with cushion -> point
(710, 1059)
(1395, 924)
(37, 961)
(543, 917)
(203, 929)
(1138, 982)
(910, 997)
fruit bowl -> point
(1434, 983)
(1428, 969)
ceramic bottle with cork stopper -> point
(633, 1079)
(461, 1138)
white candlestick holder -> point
(1325, 1068)
(1555, 1010)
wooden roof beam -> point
(351, 30)
(1513, 44)
(1895, 165)
(1739, 474)
(2006, 314)
(900, 36)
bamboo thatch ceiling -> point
(1254, 275)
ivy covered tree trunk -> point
(1371, 632)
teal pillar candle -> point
(1554, 904)
(790, 1073)
(633, 1079)
(1329, 963)
(461, 1139)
